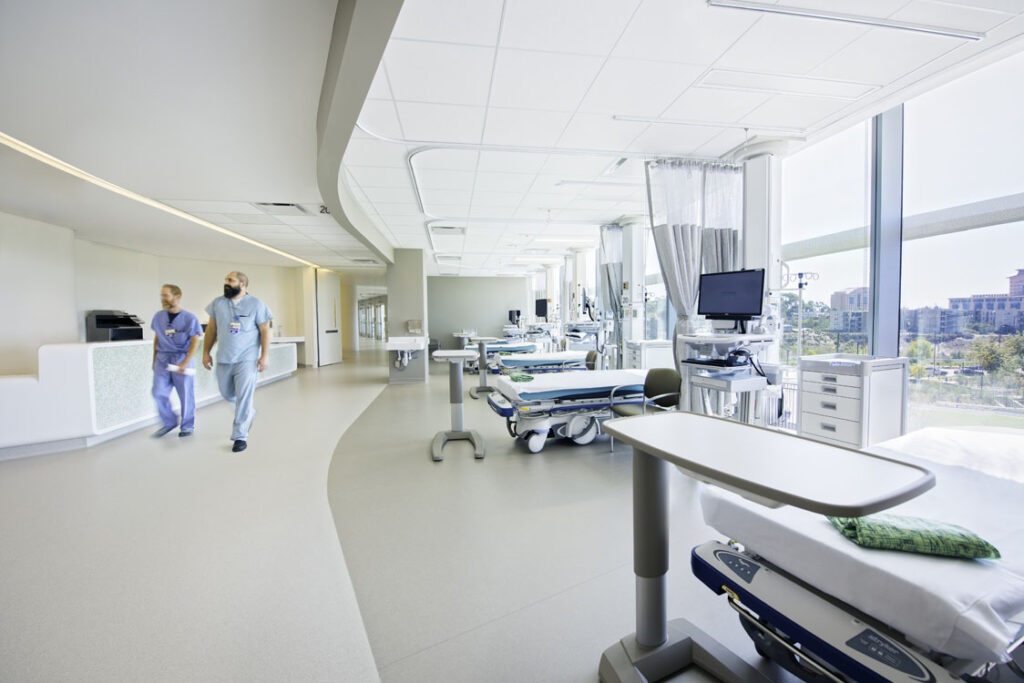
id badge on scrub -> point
(169, 332)
(235, 327)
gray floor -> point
(513, 568)
(178, 560)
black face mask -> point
(231, 292)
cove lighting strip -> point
(54, 162)
(844, 17)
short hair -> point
(241, 277)
(175, 289)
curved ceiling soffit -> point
(362, 29)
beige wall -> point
(49, 279)
(480, 303)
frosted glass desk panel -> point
(778, 467)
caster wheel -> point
(535, 441)
(588, 434)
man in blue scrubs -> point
(241, 324)
(176, 337)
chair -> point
(591, 360)
(661, 392)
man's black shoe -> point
(239, 446)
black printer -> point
(103, 326)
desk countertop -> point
(775, 466)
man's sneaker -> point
(185, 432)
(239, 446)
(160, 432)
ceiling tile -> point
(494, 199)
(318, 220)
(446, 159)
(441, 122)
(461, 197)
(547, 183)
(667, 139)
(503, 182)
(378, 117)
(252, 219)
(525, 79)
(599, 131)
(577, 26)
(790, 45)
(449, 210)
(197, 207)
(714, 104)
(373, 176)
(949, 15)
(546, 200)
(386, 209)
(512, 162)
(524, 127)
(374, 153)
(682, 31)
(638, 87)
(437, 72)
(379, 89)
(433, 179)
(882, 56)
(452, 21)
(775, 84)
(793, 111)
(578, 166)
(391, 195)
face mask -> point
(231, 292)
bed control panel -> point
(740, 566)
(883, 650)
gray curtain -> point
(611, 276)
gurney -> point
(826, 609)
(498, 348)
(569, 405)
(544, 362)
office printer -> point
(112, 326)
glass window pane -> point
(825, 209)
(962, 280)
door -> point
(328, 317)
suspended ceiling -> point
(499, 134)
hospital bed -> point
(544, 362)
(495, 349)
(563, 404)
(822, 596)
(821, 607)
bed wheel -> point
(535, 441)
(588, 434)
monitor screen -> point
(735, 295)
(541, 308)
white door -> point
(328, 317)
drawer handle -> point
(830, 390)
(828, 406)
(827, 427)
(829, 378)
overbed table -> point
(455, 359)
(768, 466)
(482, 388)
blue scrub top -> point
(186, 325)
(248, 313)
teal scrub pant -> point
(237, 382)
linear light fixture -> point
(54, 162)
(779, 130)
(845, 17)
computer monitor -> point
(734, 295)
(540, 308)
(513, 317)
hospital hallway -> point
(175, 559)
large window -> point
(825, 216)
(963, 265)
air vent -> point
(365, 261)
(281, 209)
(447, 230)
(447, 258)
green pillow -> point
(914, 535)
(520, 377)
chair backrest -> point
(663, 381)
(591, 360)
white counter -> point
(88, 393)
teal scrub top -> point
(243, 343)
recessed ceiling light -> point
(845, 17)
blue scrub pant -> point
(237, 382)
(163, 382)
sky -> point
(964, 142)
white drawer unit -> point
(852, 400)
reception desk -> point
(88, 393)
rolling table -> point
(482, 388)
(767, 466)
(455, 360)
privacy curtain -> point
(611, 274)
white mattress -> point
(567, 382)
(970, 609)
(531, 359)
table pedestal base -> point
(441, 438)
(687, 646)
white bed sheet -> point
(555, 381)
(971, 609)
(553, 358)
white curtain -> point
(611, 275)
(723, 217)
